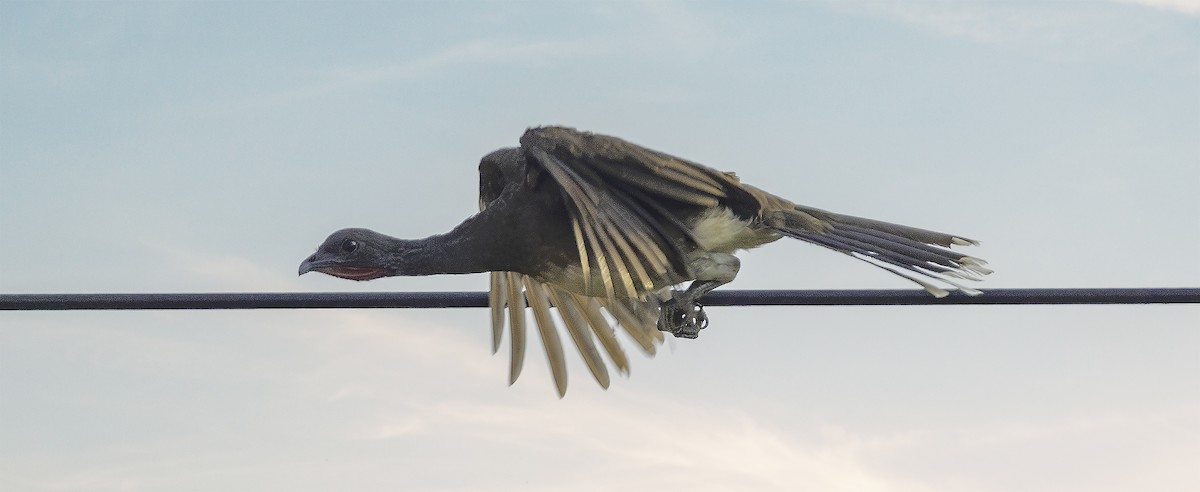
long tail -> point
(899, 249)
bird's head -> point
(354, 254)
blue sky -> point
(210, 146)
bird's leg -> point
(682, 315)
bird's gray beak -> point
(307, 265)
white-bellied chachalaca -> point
(586, 223)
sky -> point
(211, 146)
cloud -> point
(372, 400)
(395, 430)
(1186, 7)
(1062, 29)
(479, 52)
(232, 272)
(671, 25)
(1107, 451)
(647, 442)
(976, 21)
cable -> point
(335, 300)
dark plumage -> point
(587, 222)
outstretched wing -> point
(613, 185)
(624, 202)
(626, 205)
(584, 318)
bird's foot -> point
(682, 319)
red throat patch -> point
(354, 273)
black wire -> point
(333, 300)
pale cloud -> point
(93, 480)
(672, 25)
(232, 273)
(1069, 29)
(414, 344)
(648, 442)
(1187, 7)
(394, 430)
(977, 21)
(478, 52)
(1112, 451)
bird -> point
(588, 224)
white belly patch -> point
(719, 230)
(718, 234)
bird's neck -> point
(472, 247)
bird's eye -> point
(349, 245)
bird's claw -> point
(684, 320)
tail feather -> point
(900, 249)
(896, 248)
(915, 233)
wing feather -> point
(602, 329)
(577, 327)
(585, 265)
(538, 302)
(516, 324)
(628, 320)
(497, 302)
